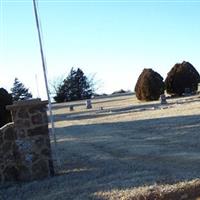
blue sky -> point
(113, 39)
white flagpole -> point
(46, 82)
(36, 81)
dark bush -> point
(5, 99)
(149, 85)
(181, 78)
(119, 91)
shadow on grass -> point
(101, 157)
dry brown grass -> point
(181, 191)
(109, 153)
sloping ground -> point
(107, 154)
(180, 191)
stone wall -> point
(25, 151)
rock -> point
(40, 169)
(41, 130)
(10, 173)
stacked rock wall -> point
(8, 170)
(25, 152)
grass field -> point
(121, 144)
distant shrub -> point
(119, 91)
(5, 99)
(149, 85)
(183, 77)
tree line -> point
(18, 92)
(182, 78)
(76, 86)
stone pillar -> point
(32, 143)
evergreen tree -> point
(75, 87)
(19, 92)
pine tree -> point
(19, 92)
(76, 86)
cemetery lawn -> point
(107, 152)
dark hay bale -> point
(183, 76)
(149, 85)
